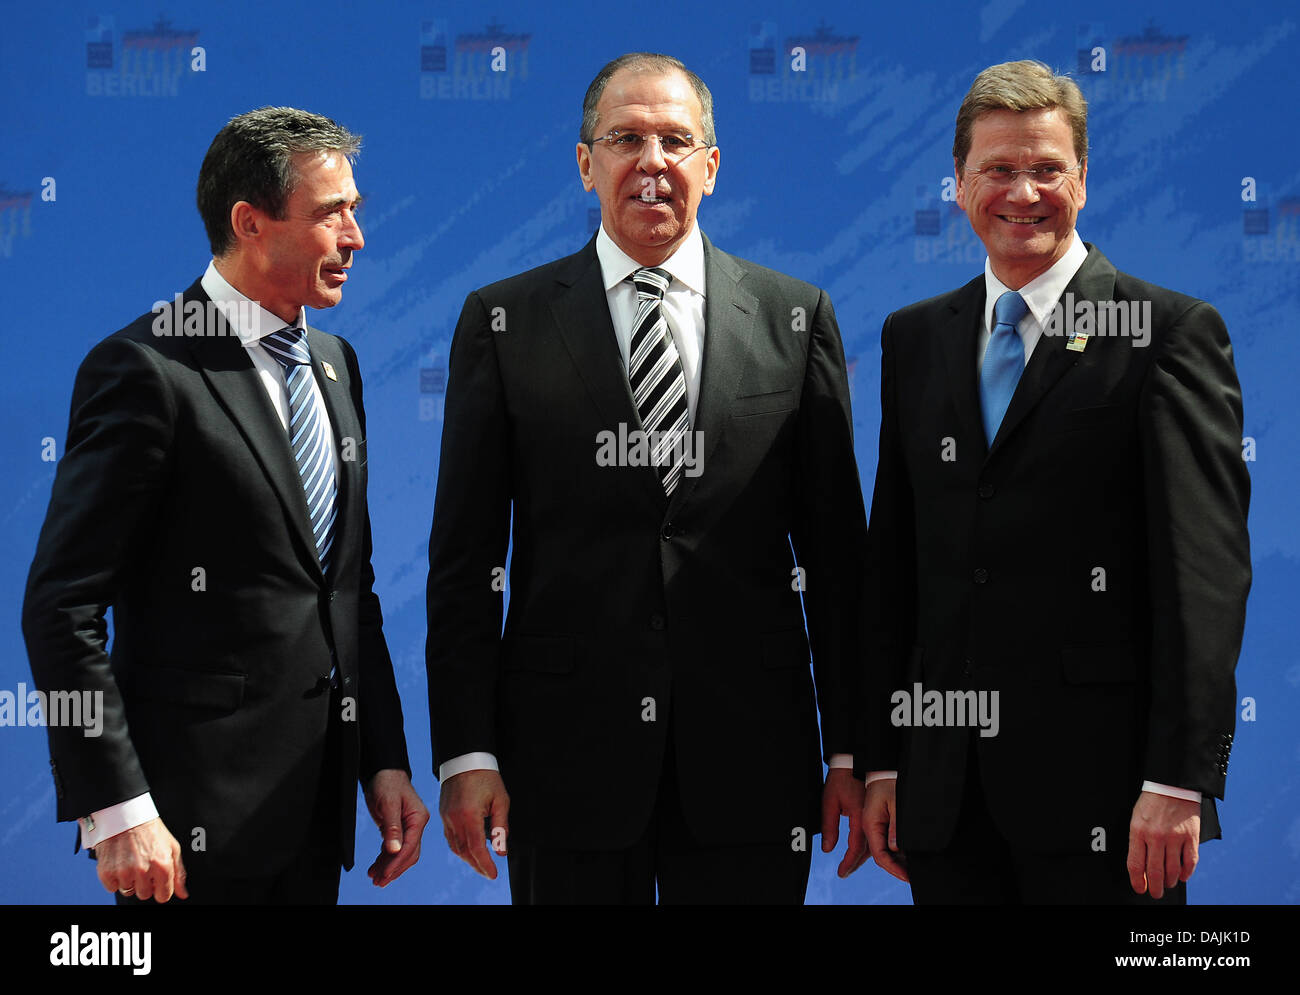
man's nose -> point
(351, 234)
(652, 156)
(1023, 189)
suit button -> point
(967, 667)
(986, 490)
(981, 575)
(667, 532)
(332, 595)
(657, 623)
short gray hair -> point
(251, 159)
(651, 62)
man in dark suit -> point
(1058, 558)
(213, 492)
(661, 422)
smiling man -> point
(1058, 529)
(213, 493)
(647, 721)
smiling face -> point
(1024, 228)
(302, 258)
(647, 204)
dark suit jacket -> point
(620, 596)
(985, 568)
(176, 462)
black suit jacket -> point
(177, 503)
(1092, 566)
(630, 611)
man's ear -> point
(961, 184)
(584, 167)
(711, 174)
(246, 221)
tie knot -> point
(651, 281)
(1009, 309)
(288, 346)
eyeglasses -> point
(1047, 176)
(673, 146)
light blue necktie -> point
(1004, 361)
(309, 436)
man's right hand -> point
(465, 803)
(144, 862)
(880, 823)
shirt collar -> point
(686, 264)
(250, 321)
(1043, 291)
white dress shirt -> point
(251, 322)
(1042, 294)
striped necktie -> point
(656, 377)
(1004, 361)
(309, 435)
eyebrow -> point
(330, 206)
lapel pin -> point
(1076, 342)
(329, 370)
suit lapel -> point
(236, 385)
(959, 348)
(337, 393)
(1095, 281)
(729, 313)
(581, 312)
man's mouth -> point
(1018, 220)
(652, 199)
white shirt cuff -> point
(116, 819)
(1186, 794)
(881, 775)
(467, 761)
(839, 760)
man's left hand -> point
(401, 818)
(843, 795)
(1163, 840)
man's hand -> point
(401, 818)
(879, 822)
(843, 795)
(466, 801)
(1164, 838)
(144, 862)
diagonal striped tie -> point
(656, 377)
(309, 436)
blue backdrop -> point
(833, 174)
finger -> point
(408, 851)
(1173, 863)
(1137, 863)
(893, 827)
(181, 890)
(830, 821)
(1155, 869)
(142, 884)
(479, 858)
(857, 850)
(389, 820)
(499, 821)
(107, 875)
(162, 880)
(1191, 856)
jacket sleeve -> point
(1196, 492)
(107, 483)
(468, 542)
